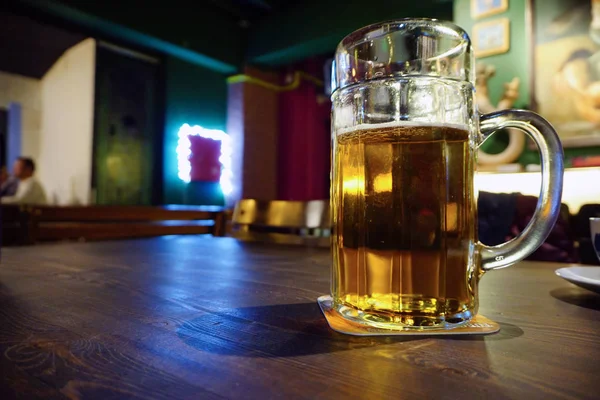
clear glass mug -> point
(405, 132)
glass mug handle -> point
(548, 205)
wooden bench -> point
(48, 223)
(17, 225)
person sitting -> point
(8, 184)
(29, 190)
(503, 216)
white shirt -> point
(29, 191)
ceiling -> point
(30, 45)
(248, 11)
(254, 9)
(30, 48)
(251, 10)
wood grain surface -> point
(201, 317)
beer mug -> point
(405, 133)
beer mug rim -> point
(372, 53)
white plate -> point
(586, 277)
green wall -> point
(515, 62)
(196, 96)
(314, 27)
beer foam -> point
(401, 124)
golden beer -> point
(405, 128)
(404, 240)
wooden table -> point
(203, 317)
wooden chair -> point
(285, 222)
(17, 225)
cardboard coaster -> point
(479, 325)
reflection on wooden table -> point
(206, 317)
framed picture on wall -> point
(485, 8)
(566, 68)
(491, 37)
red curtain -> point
(304, 139)
(204, 159)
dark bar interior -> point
(299, 199)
